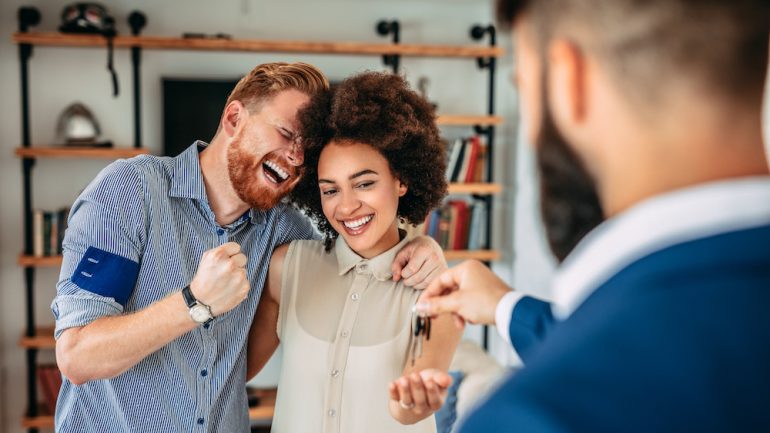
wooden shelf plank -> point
(466, 120)
(55, 39)
(44, 420)
(475, 188)
(43, 339)
(261, 412)
(256, 413)
(78, 152)
(483, 255)
(32, 261)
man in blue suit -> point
(646, 117)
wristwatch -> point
(199, 312)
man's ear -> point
(402, 188)
(232, 118)
(567, 83)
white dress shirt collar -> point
(655, 224)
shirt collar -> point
(379, 266)
(187, 181)
(655, 224)
(186, 178)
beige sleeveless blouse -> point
(344, 327)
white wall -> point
(60, 76)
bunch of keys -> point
(420, 332)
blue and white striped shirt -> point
(135, 236)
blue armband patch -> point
(106, 274)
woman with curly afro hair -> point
(373, 157)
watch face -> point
(200, 314)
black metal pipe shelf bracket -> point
(478, 33)
(385, 28)
(137, 21)
(28, 17)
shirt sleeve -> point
(503, 313)
(101, 249)
(293, 225)
(523, 321)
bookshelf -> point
(35, 337)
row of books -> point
(459, 225)
(467, 159)
(49, 379)
(48, 231)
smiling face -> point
(264, 158)
(359, 196)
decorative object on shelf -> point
(85, 18)
(92, 18)
(77, 126)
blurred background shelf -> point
(78, 152)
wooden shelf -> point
(79, 152)
(43, 420)
(261, 412)
(54, 39)
(43, 339)
(39, 262)
(462, 120)
(46, 421)
(475, 188)
(483, 255)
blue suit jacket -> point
(678, 341)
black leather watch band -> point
(188, 297)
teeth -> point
(281, 172)
(357, 223)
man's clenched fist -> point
(221, 281)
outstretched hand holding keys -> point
(470, 291)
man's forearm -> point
(109, 346)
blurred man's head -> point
(624, 99)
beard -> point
(243, 169)
(569, 202)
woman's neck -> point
(389, 239)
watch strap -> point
(189, 298)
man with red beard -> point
(165, 261)
(655, 196)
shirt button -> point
(332, 412)
(345, 334)
(220, 232)
(204, 372)
(200, 421)
(363, 266)
(335, 373)
(355, 296)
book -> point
(53, 239)
(46, 233)
(453, 153)
(473, 156)
(37, 233)
(477, 226)
(480, 175)
(50, 381)
(63, 215)
(457, 168)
